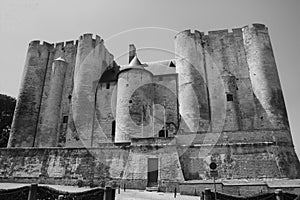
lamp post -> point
(214, 174)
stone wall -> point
(106, 110)
(238, 159)
(123, 164)
(62, 165)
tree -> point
(7, 107)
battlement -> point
(66, 44)
(37, 43)
(89, 37)
(218, 32)
(191, 33)
(256, 26)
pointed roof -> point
(60, 59)
(135, 62)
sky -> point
(149, 24)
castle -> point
(219, 100)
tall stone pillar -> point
(48, 135)
(192, 82)
(24, 126)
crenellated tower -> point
(268, 97)
(192, 82)
(26, 115)
(91, 62)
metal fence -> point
(36, 192)
(277, 195)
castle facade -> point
(218, 100)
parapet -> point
(196, 34)
(256, 26)
(37, 43)
(67, 44)
(218, 32)
(95, 40)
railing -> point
(278, 195)
(36, 192)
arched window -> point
(163, 133)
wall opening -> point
(65, 119)
(163, 133)
(113, 130)
(229, 97)
(152, 172)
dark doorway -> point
(152, 172)
(163, 133)
(113, 130)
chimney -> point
(132, 52)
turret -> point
(133, 106)
(192, 82)
(91, 61)
(48, 134)
(270, 106)
(25, 122)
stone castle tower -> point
(218, 100)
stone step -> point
(152, 189)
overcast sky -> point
(151, 23)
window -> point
(107, 85)
(65, 119)
(229, 97)
(160, 78)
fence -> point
(36, 192)
(278, 195)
